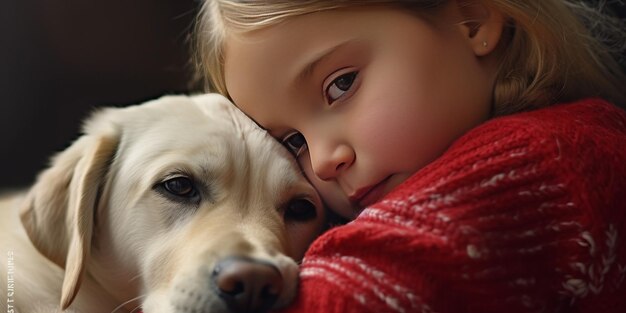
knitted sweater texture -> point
(525, 213)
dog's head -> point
(182, 202)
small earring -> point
(485, 44)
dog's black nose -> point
(247, 285)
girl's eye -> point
(340, 86)
(295, 143)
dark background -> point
(60, 59)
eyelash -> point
(351, 74)
(296, 151)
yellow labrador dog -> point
(177, 205)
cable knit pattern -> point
(525, 213)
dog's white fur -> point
(98, 229)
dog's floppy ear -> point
(58, 213)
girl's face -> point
(364, 98)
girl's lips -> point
(370, 194)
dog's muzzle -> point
(246, 284)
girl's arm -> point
(525, 213)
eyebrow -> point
(321, 57)
(310, 67)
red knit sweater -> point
(525, 213)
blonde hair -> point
(549, 56)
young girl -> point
(472, 142)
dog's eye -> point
(180, 187)
(300, 210)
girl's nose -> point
(329, 163)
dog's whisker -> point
(215, 234)
(129, 301)
(137, 309)
(134, 278)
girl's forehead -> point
(274, 57)
(274, 67)
(282, 51)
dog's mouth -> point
(235, 284)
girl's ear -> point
(481, 25)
